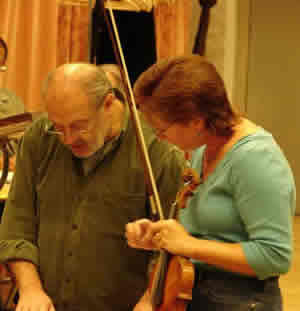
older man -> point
(78, 181)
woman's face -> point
(187, 136)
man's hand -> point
(34, 299)
(32, 296)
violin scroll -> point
(191, 181)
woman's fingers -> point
(139, 233)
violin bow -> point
(158, 281)
(148, 172)
(155, 204)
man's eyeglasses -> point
(73, 129)
(76, 130)
(61, 133)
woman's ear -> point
(198, 124)
(108, 101)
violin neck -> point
(173, 214)
(159, 278)
(158, 283)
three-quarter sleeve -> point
(264, 193)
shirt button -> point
(65, 305)
(74, 226)
(70, 254)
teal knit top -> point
(248, 199)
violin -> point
(172, 280)
(173, 277)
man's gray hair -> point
(113, 72)
(92, 80)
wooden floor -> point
(290, 283)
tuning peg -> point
(3, 68)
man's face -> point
(80, 126)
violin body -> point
(176, 273)
(178, 285)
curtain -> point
(172, 20)
(43, 34)
(29, 29)
(172, 27)
(73, 31)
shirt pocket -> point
(110, 212)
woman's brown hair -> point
(184, 88)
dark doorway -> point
(137, 35)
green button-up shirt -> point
(67, 216)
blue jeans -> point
(218, 291)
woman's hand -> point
(164, 234)
(144, 303)
(140, 234)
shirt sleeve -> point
(19, 225)
(264, 191)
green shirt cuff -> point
(18, 250)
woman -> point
(237, 228)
